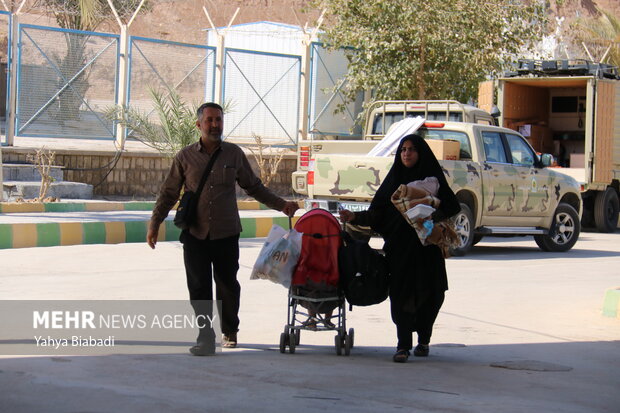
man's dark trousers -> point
(223, 255)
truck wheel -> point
(606, 209)
(464, 225)
(564, 230)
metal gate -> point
(164, 66)
(5, 64)
(328, 71)
(64, 82)
(261, 94)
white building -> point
(262, 83)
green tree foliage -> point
(431, 49)
(169, 127)
(172, 128)
(602, 35)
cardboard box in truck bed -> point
(445, 149)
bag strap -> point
(207, 171)
(346, 237)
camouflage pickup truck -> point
(504, 187)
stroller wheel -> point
(351, 336)
(347, 344)
(338, 343)
(342, 334)
(283, 340)
(297, 335)
(292, 339)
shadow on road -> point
(502, 249)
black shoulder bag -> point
(186, 211)
(364, 272)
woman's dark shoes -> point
(421, 350)
(203, 349)
(401, 356)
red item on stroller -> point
(315, 283)
(318, 261)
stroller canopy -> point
(318, 262)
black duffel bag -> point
(364, 272)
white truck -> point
(570, 109)
(380, 116)
(503, 186)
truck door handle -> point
(359, 165)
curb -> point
(112, 232)
(611, 305)
(28, 207)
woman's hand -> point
(346, 215)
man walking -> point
(211, 244)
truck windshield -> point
(393, 117)
(462, 138)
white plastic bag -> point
(278, 258)
(420, 211)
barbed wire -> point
(71, 7)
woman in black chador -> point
(418, 279)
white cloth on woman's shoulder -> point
(388, 145)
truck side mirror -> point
(546, 159)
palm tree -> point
(83, 15)
(86, 14)
(168, 128)
(172, 126)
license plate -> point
(354, 206)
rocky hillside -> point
(185, 21)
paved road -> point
(521, 331)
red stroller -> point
(314, 294)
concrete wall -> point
(136, 175)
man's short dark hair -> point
(213, 105)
